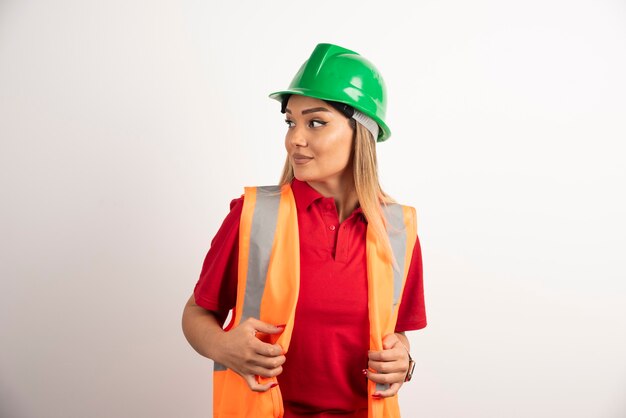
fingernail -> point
(274, 385)
(281, 326)
(377, 396)
(364, 371)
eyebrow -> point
(312, 110)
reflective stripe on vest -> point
(268, 286)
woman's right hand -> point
(241, 351)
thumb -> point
(266, 328)
(389, 341)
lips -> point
(301, 159)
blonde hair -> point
(369, 193)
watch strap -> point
(409, 373)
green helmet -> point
(337, 74)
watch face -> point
(409, 374)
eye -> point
(289, 123)
(316, 123)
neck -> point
(343, 192)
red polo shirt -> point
(328, 350)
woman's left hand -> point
(390, 365)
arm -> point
(238, 349)
(201, 329)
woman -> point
(323, 272)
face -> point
(319, 141)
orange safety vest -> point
(268, 285)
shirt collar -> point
(305, 195)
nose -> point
(296, 137)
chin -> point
(301, 177)
(298, 174)
(314, 176)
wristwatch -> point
(409, 373)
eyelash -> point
(290, 123)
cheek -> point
(342, 148)
(333, 154)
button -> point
(332, 227)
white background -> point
(127, 127)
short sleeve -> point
(216, 289)
(412, 313)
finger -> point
(267, 362)
(263, 372)
(387, 366)
(260, 366)
(385, 378)
(256, 386)
(393, 389)
(394, 354)
(264, 327)
(267, 350)
(389, 341)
